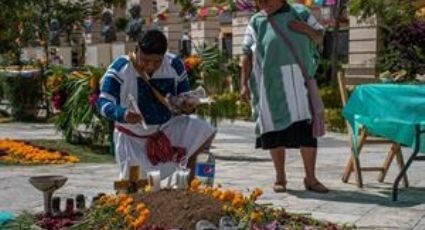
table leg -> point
(408, 163)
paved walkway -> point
(240, 166)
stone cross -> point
(133, 184)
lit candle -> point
(154, 178)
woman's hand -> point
(304, 28)
(132, 117)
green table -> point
(393, 111)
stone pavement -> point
(240, 166)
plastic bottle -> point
(205, 168)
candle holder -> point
(154, 179)
(69, 208)
(56, 205)
(182, 178)
(80, 202)
(47, 185)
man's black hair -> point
(153, 42)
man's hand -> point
(245, 93)
(304, 28)
(188, 105)
(133, 118)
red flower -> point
(93, 98)
(58, 99)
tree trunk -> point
(338, 9)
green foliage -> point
(24, 221)
(388, 12)
(121, 24)
(334, 120)
(24, 96)
(331, 97)
(27, 22)
(401, 33)
(188, 6)
(234, 72)
(220, 76)
(323, 73)
(226, 106)
(78, 110)
(16, 28)
(333, 109)
(102, 216)
(212, 68)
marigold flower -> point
(256, 216)
(140, 207)
(256, 193)
(146, 212)
(20, 152)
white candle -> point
(182, 179)
(154, 178)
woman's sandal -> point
(315, 187)
(279, 187)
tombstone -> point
(60, 56)
(205, 31)
(98, 55)
(172, 27)
(118, 49)
(66, 54)
(135, 26)
(363, 48)
(108, 28)
(185, 45)
(39, 53)
(54, 57)
(54, 32)
(239, 22)
(26, 54)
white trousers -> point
(184, 131)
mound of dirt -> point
(180, 208)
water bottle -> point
(205, 168)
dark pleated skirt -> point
(297, 135)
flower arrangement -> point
(117, 212)
(177, 209)
(135, 212)
(60, 79)
(74, 95)
(192, 62)
(19, 152)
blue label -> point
(205, 170)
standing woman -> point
(273, 80)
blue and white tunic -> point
(121, 80)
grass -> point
(87, 154)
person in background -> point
(272, 79)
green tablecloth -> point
(388, 110)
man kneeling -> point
(147, 133)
